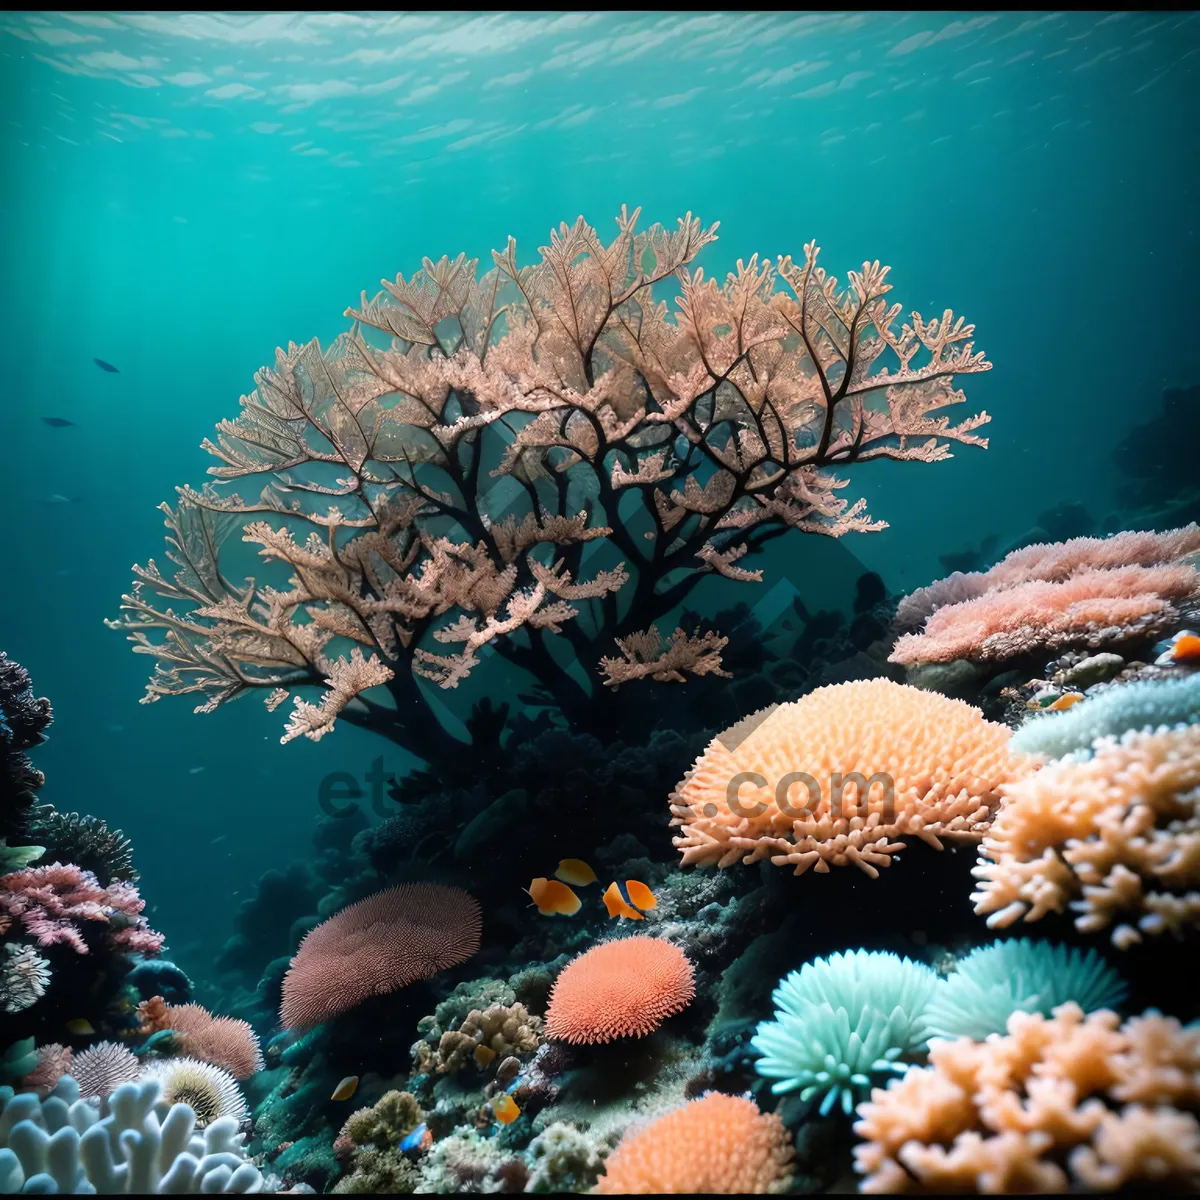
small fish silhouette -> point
(80, 1026)
(58, 498)
(57, 422)
(346, 1088)
(104, 366)
(575, 871)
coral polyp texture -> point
(1112, 838)
(385, 942)
(208, 1091)
(225, 1042)
(841, 776)
(672, 437)
(842, 1021)
(620, 989)
(717, 1144)
(103, 1067)
(1087, 592)
(1062, 1103)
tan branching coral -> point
(647, 654)
(840, 776)
(485, 1037)
(430, 481)
(1115, 838)
(1086, 592)
(1066, 1102)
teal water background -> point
(183, 193)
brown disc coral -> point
(840, 776)
(717, 1144)
(625, 988)
(382, 943)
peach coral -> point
(941, 759)
(717, 1144)
(223, 1041)
(625, 988)
(1037, 1110)
(1115, 838)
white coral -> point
(62, 1144)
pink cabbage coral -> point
(51, 901)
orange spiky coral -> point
(717, 1144)
(625, 988)
(1041, 1110)
(874, 761)
(1116, 838)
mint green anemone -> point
(840, 1023)
(1019, 975)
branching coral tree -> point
(544, 460)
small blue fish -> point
(57, 422)
(413, 1140)
(105, 366)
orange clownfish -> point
(575, 871)
(554, 898)
(1184, 647)
(505, 1108)
(639, 897)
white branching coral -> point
(538, 452)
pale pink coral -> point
(1051, 562)
(51, 901)
(1092, 608)
(1086, 591)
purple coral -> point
(50, 902)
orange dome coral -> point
(382, 943)
(720, 1144)
(840, 775)
(625, 988)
